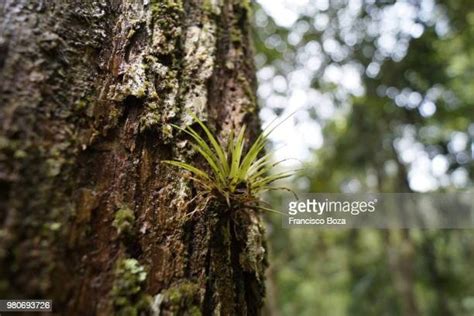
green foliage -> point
(183, 299)
(128, 290)
(237, 176)
(356, 272)
(124, 220)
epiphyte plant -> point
(237, 176)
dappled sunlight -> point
(383, 99)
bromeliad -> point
(237, 177)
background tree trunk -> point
(90, 217)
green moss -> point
(20, 154)
(207, 6)
(183, 298)
(235, 36)
(149, 120)
(140, 92)
(166, 14)
(53, 166)
(182, 291)
(49, 232)
(230, 65)
(211, 7)
(54, 226)
(159, 6)
(4, 143)
(162, 66)
(131, 33)
(124, 220)
(80, 104)
(84, 105)
(113, 116)
(247, 5)
(128, 290)
(167, 131)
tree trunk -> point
(90, 217)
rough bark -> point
(90, 217)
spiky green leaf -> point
(215, 144)
(192, 169)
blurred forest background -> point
(385, 91)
